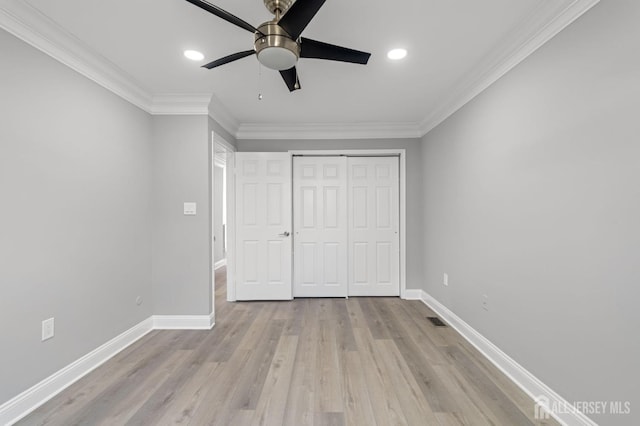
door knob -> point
(284, 234)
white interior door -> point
(374, 226)
(320, 225)
(263, 224)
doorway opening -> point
(222, 158)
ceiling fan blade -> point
(299, 15)
(319, 50)
(290, 77)
(220, 13)
(229, 58)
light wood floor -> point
(361, 361)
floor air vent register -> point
(436, 321)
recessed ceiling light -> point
(396, 54)
(194, 55)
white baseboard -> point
(23, 404)
(183, 322)
(530, 384)
(220, 263)
(412, 294)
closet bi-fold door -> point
(320, 226)
(374, 255)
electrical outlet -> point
(190, 209)
(47, 329)
(485, 302)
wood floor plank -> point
(420, 312)
(300, 408)
(241, 417)
(212, 341)
(66, 404)
(420, 366)
(211, 405)
(468, 406)
(420, 331)
(184, 381)
(250, 381)
(273, 400)
(509, 388)
(449, 419)
(124, 401)
(358, 408)
(329, 388)
(293, 326)
(149, 340)
(384, 400)
(329, 419)
(189, 396)
(344, 330)
(136, 407)
(374, 322)
(258, 327)
(325, 308)
(503, 408)
(148, 346)
(356, 316)
(414, 406)
(228, 345)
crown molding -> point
(32, 26)
(180, 104)
(329, 131)
(546, 21)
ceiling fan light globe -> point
(277, 58)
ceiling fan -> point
(277, 43)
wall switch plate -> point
(445, 279)
(485, 302)
(47, 329)
(190, 209)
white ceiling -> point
(453, 47)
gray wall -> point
(218, 245)
(181, 249)
(74, 208)
(532, 196)
(414, 183)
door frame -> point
(219, 144)
(401, 153)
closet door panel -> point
(374, 226)
(320, 226)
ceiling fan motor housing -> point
(278, 5)
(275, 48)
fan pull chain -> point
(259, 81)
